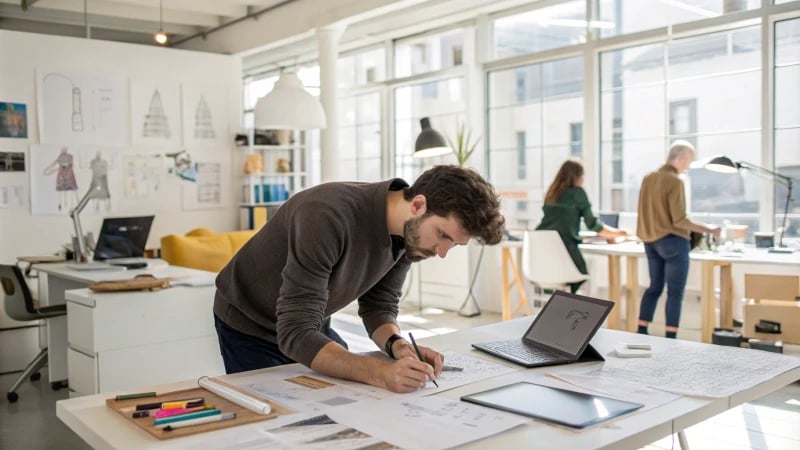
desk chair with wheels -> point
(20, 305)
(547, 264)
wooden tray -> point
(140, 283)
(243, 416)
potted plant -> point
(463, 145)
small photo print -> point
(13, 120)
(12, 162)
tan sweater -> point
(662, 206)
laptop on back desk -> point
(560, 334)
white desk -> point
(709, 260)
(103, 428)
(96, 322)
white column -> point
(328, 43)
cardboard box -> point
(771, 287)
(786, 313)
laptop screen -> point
(122, 237)
(610, 219)
(567, 322)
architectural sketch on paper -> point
(203, 121)
(156, 122)
(209, 183)
(12, 196)
(77, 109)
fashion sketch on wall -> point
(13, 120)
(205, 113)
(155, 114)
(60, 175)
(81, 109)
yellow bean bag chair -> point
(203, 249)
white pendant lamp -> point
(288, 107)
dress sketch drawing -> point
(99, 167)
(66, 184)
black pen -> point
(447, 368)
(419, 354)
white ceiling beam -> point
(112, 9)
(291, 19)
(225, 8)
(73, 18)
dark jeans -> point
(242, 352)
(668, 262)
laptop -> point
(610, 219)
(122, 241)
(560, 334)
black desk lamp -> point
(724, 164)
(430, 142)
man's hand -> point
(403, 349)
(407, 374)
(713, 229)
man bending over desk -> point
(337, 242)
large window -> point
(628, 16)
(535, 117)
(364, 67)
(442, 101)
(541, 29)
(360, 137)
(787, 119)
(429, 53)
(654, 94)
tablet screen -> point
(573, 409)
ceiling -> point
(133, 21)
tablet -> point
(573, 409)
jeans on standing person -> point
(242, 352)
(668, 262)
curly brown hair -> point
(463, 193)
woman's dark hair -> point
(568, 175)
(462, 193)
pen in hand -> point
(419, 354)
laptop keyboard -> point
(520, 350)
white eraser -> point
(624, 351)
(638, 346)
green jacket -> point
(565, 215)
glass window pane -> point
(256, 89)
(787, 42)
(360, 135)
(369, 108)
(429, 53)
(628, 16)
(540, 29)
(346, 71)
(370, 66)
(369, 141)
(347, 111)
(531, 129)
(642, 113)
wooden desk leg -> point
(506, 287)
(523, 298)
(632, 297)
(614, 290)
(707, 302)
(725, 295)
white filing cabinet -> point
(124, 340)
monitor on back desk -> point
(610, 219)
(122, 237)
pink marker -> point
(177, 411)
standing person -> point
(334, 243)
(665, 229)
(565, 204)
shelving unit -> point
(263, 193)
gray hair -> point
(678, 149)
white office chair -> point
(547, 264)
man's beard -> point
(414, 252)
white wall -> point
(21, 53)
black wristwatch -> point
(389, 342)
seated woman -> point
(564, 205)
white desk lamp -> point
(80, 253)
